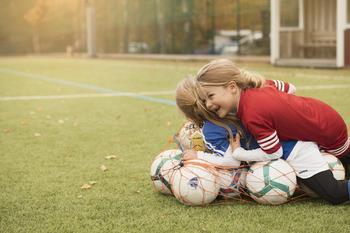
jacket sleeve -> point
(282, 86)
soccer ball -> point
(162, 169)
(190, 137)
(232, 182)
(195, 183)
(271, 182)
(334, 165)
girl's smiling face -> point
(222, 100)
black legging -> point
(346, 163)
(327, 187)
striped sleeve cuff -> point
(270, 143)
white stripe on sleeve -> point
(279, 85)
(267, 138)
(282, 85)
(340, 150)
(265, 144)
(272, 145)
(269, 142)
(346, 145)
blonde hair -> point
(190, 97)
(220, 72)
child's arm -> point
(282, 86)
(216, 140)
(227, 160)
(258, 154)
(232, 159)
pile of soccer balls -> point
(197, 182)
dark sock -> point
(346, 163)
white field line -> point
(88, 95)
(267, 73)
(323, 87)
(156, 93)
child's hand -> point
(189, 154)
(236, 142)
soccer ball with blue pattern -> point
(162, 169)
(232, 182)
(195, 183)
(271, 182)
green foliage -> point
(41, 176)
(61, 23)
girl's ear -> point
(232, 86)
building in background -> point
(310, 33)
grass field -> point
(58, 124)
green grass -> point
(41, 176)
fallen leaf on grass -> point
(103, 168)
(86, 186)
(80, 196)
(170, 140)
(111, 157)
(37, 134)
(92, 182)
(137, 191)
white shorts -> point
(307, 160)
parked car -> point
(138, 47)
(226, 41)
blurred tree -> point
(182, 26)
(35, 17)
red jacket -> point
(271, 115)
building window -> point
(289, 12)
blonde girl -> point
(222, 93)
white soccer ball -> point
(194, 184)
(190, 137)
(162, 169)
(334, 165)
(271, 182)
(232, 182)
